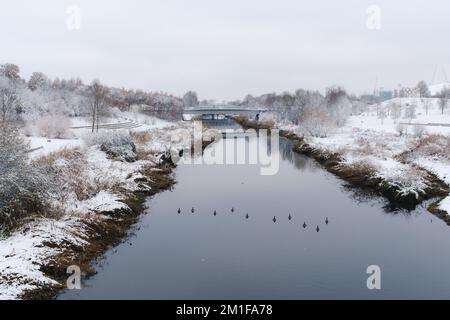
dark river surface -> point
(227, 256)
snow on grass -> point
(437, 165)
(441, 168)
(368, 141)
(147, 122)
(437, 88)
(445, 205)
(370, 120)
(103, 201)
(23, 253)
(45, 146)
(42, 146)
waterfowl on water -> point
(304, 225)
(246, 216)
(274, 219)
(290, 217)
(232, 209)
(179, 210)
(318, 229)
(215, 213)
(326, 220)
(192, 210)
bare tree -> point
(338, 104)
(424, 92)
(443, 99)
(382, 115)
(410, 112)
(395, 111)
(97, 94)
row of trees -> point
(317, 113)
(22, 100)
(395, 111)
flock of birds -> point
(274, 218)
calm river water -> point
(229, 256)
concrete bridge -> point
(221, 112)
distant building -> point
(381, 95)
(384, 95)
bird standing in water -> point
(192, 210)
(326, 220)
(304, 225)
(290, 217)
(274, 219)
(318, 229)
(179, 210)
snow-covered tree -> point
(410, 112)
(10, 71)
(317, 123)
(9, 101)
(38, 80)
(190, 99)
(338, 105)
(422, 87)
(395, 111)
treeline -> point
(291, 107)
(26, 100)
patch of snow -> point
(445, 205)
(45, 146)
(437, 88)
(22, 254)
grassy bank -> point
(101, 234)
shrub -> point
(419, 130)
(268, 119)
(117, 144)
(70, 167)
(434, 145)
(401, 128)
(50, 126)
(317, 123)
(140, 136)
(24, 187)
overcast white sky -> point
(226, 49)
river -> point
(234, 256)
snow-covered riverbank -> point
(101, 197)
(401, 151)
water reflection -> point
(299, 162)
